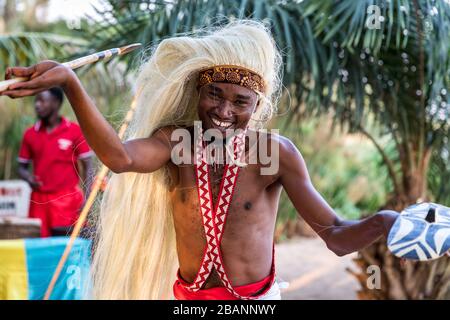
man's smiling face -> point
(225, 106)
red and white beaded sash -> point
(214, 217)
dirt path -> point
(313, 271)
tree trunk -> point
(31, 19)
(403, 279)
(400, 281)
(8, 163)
(9, 10)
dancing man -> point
(199, 204)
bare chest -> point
(253, 205)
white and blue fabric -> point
(421, 232)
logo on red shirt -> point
(64, 144)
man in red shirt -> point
(54, 145)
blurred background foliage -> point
(346, 168)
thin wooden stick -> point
(89, 202)
(74, 64)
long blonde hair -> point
(135, 252)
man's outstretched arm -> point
(341, 236)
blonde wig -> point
(135, 250)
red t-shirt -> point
(54, 154)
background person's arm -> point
(24, 173)
(140, 155)
(88, 174)
(341, 236)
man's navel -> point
(183, 196)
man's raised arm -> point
(140, 155)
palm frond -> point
(21, 49)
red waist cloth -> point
(218, 293)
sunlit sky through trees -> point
(70, 9)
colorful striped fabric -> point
(27, 266)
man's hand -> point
(42, 76)
(34, 182)
(388, 219)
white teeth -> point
(221, 123)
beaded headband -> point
(231, 74)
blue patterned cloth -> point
(421, 232)
(43, 255)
